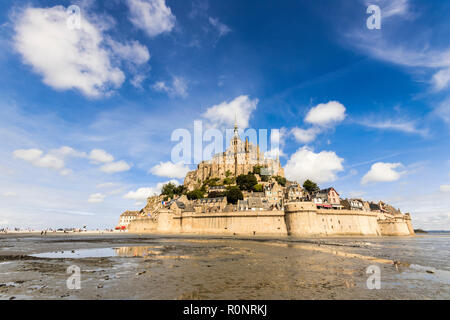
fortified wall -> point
(298, 219)
(280, 209)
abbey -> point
(242, 192)
(240, 158)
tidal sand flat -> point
(127, 266)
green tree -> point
(281, 181)
(258, 187)
(169, 190)
(228, 173)
(227, 181)
(195, 194)
(216, 194)
(246, 181)
(257, 170)
(310, 186)
(234, 194)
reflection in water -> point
(137, 251)
(411, 268)
(101, 253)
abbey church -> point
(240, 158)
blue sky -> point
(86, 114)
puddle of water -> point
(429, 274)
(99, 253)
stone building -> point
(328, 198)
(293, 192)
(210, 204)
(126, 218)
(353, 204)
(239, 158)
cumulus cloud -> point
(170, 170)
(326, 113)
(142, 194)
(54, 159)
(66, 59)
(178, 87)
(131, 51)
(224, 114)
(222, 28)
(305, 135)
(96, 198)
(113, 167)
(321, 117)
(151, 16)
(99, 156)
(382, 172)
(445, 188)
(320, 167)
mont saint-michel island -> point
(242, 192)
(224, 150)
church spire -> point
(235, 125)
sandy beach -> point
(129, 266)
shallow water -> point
(131, 251)
(150, 267)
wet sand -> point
(194, 267)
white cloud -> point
(443, 110)
(445, 188)
(142, 194)
(52, 160)
(277, 142)
(390, 8)
(404, 54)
(131, 51)
(152, 16)
(67, 59)
(398, 125)
(441, 79)
(96, 198)
(382, 172)
(224, 113)
(100, 156)
(118, 166)
(137, 80)
(305, 135)
(177, 88)
(326, 113)
(107, 185)
(55, 159)
(9, 194)
(170, 170)
(319, 167)
(222, 28)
